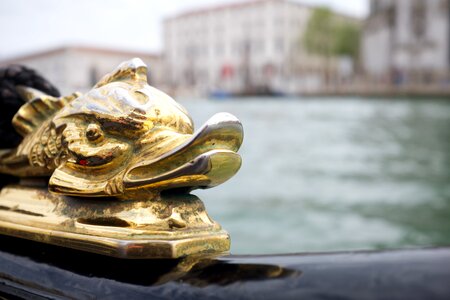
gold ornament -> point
(126, 141)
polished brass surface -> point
(166, 227)
(127, 142)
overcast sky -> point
(27, 25)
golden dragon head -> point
(123, 138)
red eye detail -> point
(83, 162)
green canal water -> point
(334, 174)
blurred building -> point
(407, 42)
(245, 47)
(79, 68)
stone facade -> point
(251, 46)
(407, 41)
(79, 68)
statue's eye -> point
(94, 132)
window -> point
(418, 18)
(278, 44)
(219, 50)
(93, 75)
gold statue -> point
(123, 139)
(127, 141)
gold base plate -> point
(162, 227)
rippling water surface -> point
(334, 174)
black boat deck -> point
(38, 271)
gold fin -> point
(39, 108)
(134, 70)
(28, 93)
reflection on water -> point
(335, 174)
